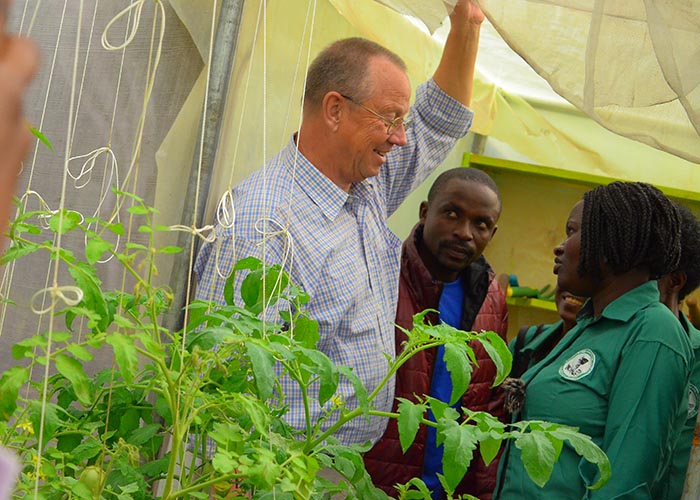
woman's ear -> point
(677, 280)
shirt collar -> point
(319, 188)
(693, 333)
(547, 331)
(626, 305)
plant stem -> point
(199, 486)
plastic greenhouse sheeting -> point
(631, 65)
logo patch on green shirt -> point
(579, 365)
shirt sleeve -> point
(438, 121)
(645, 406)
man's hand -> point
(18, 62)
(466, 11)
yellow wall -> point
(532, 223)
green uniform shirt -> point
(621, 379)
(681, 455)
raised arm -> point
(455, 72)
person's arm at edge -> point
(455, 71)
(18, 62)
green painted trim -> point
(534, 303)
(498, 164)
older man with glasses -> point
(350, 165)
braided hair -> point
(690, 250)
(627, 225)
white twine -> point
(205, 233)
(132, 25)
(68, 294)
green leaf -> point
(129, 420)
(126, 194)
(197, 310)
(262, 469)
(116, 228)
(498, 351)
(319, 364)
(25, 348)
(410, 415)
(251, 292)
(137, 210)
(439, 408)
(258, 292)
(200, 494)
(350, 465)
(143, 434)
(10, 383)
(156, 468)
(136, 246)
(208, 338)
(305, 331)
(125, 354)
(170, 250)
(360, 389)
(39, 135)
(488, 448)
(80, 352)
(124, 322)
(229, 289)
(223, 462)
(73, 371)
(406, 491)
(585, 447)
(87, 450)
(86, 279)
(163, 410)
(19, 228)
(262, 363)
(460, 442)
(15, 252)
(75, 311)
(52, 421)
(62, 222)
(68, 441)
(251, 263)
(227, 435)
(538, 456)
(126, 478)
(95, 248)
(60, 337)
(457, 363)
(82, 491)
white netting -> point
(632, 65)
(116, 126)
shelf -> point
(529, 302)
(581, 178)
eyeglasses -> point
(391, 125)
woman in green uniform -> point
(620, 375)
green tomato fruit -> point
(93, 477)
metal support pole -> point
(479, 144)
(223, 56)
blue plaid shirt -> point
(338, 248)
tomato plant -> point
(197, 412)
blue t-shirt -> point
(450, 308)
